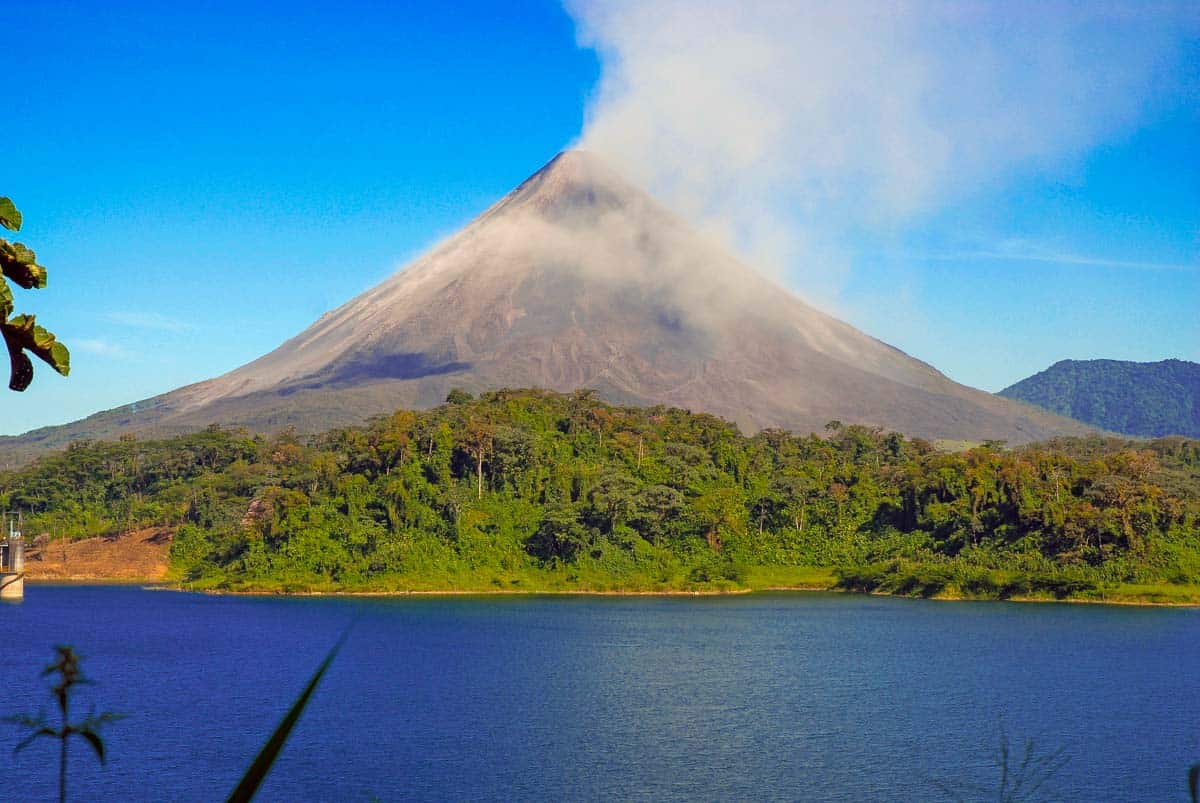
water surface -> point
(768, 697)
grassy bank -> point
(526, 581)
(951, 581)
(889, 580)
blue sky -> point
(202, 183)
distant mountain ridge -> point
(579, 279)
(1149, 399)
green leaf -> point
(254, 776)
(23, 252)
(10, 217)
(42, 343)
(42, 337)
(19, 263)
(60, 358)
(21, 332)
(1194, 782)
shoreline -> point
(681, 593)
(496, 592)
(157, 585)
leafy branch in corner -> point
(70, 675)
(21, 333)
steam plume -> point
(786, 127)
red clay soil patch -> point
(137, 556)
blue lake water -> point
(763, 697)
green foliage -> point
(527, 489)
(18, 264)
(958, 579)
(10, 216)
(1146, 399)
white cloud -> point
(150, 320)
(100, 347)
(787, 127)
(1058, 258)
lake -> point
(765, 696)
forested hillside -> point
(529, 490)
(1150, 399)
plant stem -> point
(62, 771)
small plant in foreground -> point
(1021, 776)
(70, 675)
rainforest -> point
(536, 491)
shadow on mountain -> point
(410, 365)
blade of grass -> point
(254, 776)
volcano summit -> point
(578, 279)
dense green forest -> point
(533, 490)
(1149, 399)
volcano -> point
(579, 279)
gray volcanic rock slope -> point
(579, 279)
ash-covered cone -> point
(579, 279)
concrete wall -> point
(12, 586)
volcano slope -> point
(578, 279)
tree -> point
(560, 537)
(614, 500)
(394, 439)
(720, 510)
(21, 332)
(478, 440)
(658, 506)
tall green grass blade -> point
(254, 776)
(1194, 782)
